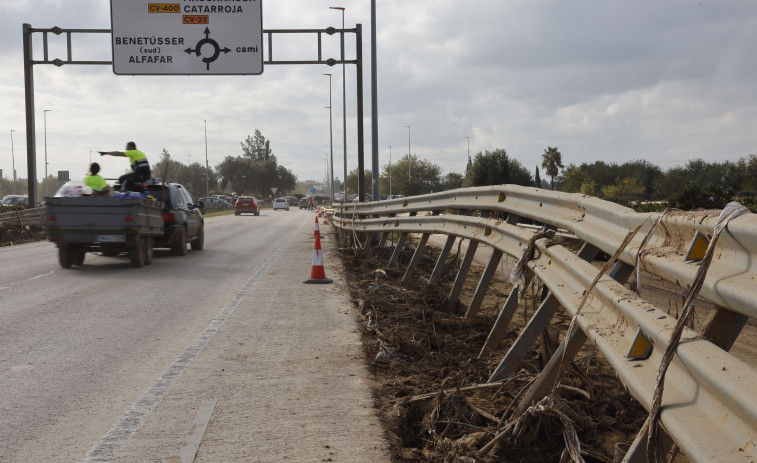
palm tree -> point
(551, 161)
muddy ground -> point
(414, 348)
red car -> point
(247, 205)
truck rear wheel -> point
(148, 250)
(79, 257)
(65, 257)
(199, 242)
(137, 254)
(179, 247)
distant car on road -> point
(213, 204)
(222, 197)
(280, 203)
(247, 205)
(303, 203)
(15, 202)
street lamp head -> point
(326, 74)
(336, 8)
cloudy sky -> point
(614, 81)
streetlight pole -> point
(44, 117)
(390, 171)
(326, 174)
(468, 151)
(409, 159)
(188, 159)
(344, 104)
(331, 138)
(13, 159)
(207, 189)
(90, 157)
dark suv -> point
(182, 217)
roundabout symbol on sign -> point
(216, 49)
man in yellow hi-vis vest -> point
(139, 165)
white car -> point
(280, 203)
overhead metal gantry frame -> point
(29, 62)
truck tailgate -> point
(92, 214)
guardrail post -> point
(724, 327)
(544, 383)
(504, 318)
(398, 249)
(483, 284)
(566, 351)
(454, 294)
(417, 254)
(416, 257)
(535, 326)
(382, 241)
(436, 275)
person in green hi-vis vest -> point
(139, 165)
(95, 181)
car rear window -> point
(157, 192)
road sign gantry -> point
(184, 38)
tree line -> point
(637, 183)
(253, 172)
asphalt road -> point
(109, 363)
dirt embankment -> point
(14, 230)
(429, 381)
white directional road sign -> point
(183, 37)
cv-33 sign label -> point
(187, 37)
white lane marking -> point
(6, 285)
(40, 276)
(136, 414)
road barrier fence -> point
(708, 406)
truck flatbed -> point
(110, 225)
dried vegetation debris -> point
(17, 232)
(434, 399)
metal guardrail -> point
(35, 216)
(604, 225)
(709, 409)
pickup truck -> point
(109, 225)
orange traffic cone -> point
(317, 274)
(325, 218)
(316, 230)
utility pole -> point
(207, 168)
(13, 159)
(390, 171)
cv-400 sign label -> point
(187, 37)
